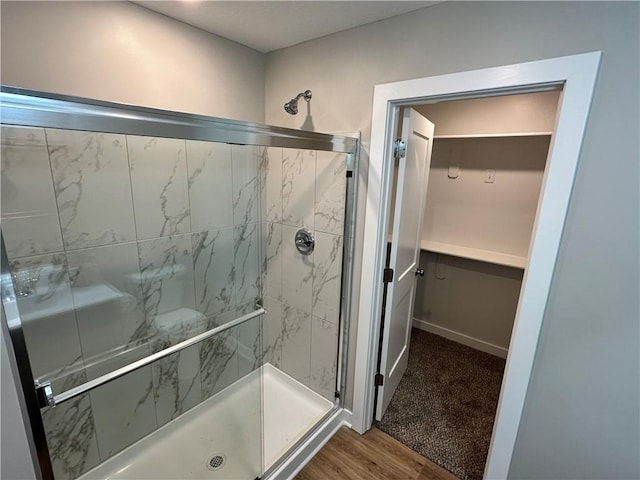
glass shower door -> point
(121, 248)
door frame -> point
(576, 74)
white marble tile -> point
(30, 224)
(91, 180)
(218, 363)
(298, 187)
(250, 348)
(247, 263)
(46, 308)
(296, 343)
(297, 273)
(123, 411)
(272, 332)
(210, 192)
(160, 186)
(273, 260)
(245, 184)
(331, 181)
(327, 276)
(71, 435)
(324, 354)
(166, 267)
(219, 356)
(107, 294)
(271, 168)
(213, 253)
(176, 382)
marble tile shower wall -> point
(302, 293)
(120, 246)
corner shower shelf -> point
(43, 306)
(487, 256)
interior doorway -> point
(483, 188)
(576, 74)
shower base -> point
(224, 429)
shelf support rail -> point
(48, 398)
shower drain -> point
(216, 462)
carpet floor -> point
(445, 404)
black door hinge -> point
(379, 379)
(388, 275)
(337, 394)
(349, 173)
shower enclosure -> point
(175, 287)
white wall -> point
(528, 112)
(478, 300)
(470, 302)
(466, 211)
(122, 52)
(581, 417)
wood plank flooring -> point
(372, 456)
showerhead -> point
(291, 106)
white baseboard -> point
(346, 417)
(461, 338)
(305, 452)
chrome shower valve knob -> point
(304, 241)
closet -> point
(487, 169)
(486, 173)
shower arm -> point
(306, 94)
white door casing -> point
(577, 76)
(413, 173)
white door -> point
(413, 172)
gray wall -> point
(15, 456)
(121, 52)
(581, 417)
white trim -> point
(346, 417)
(461, 338)
(487, 256)
(493, 135)
(305, 452)
(577, 74)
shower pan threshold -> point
(226, 425)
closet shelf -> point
(495, 135)
(474, 254)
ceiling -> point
(270, 25)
